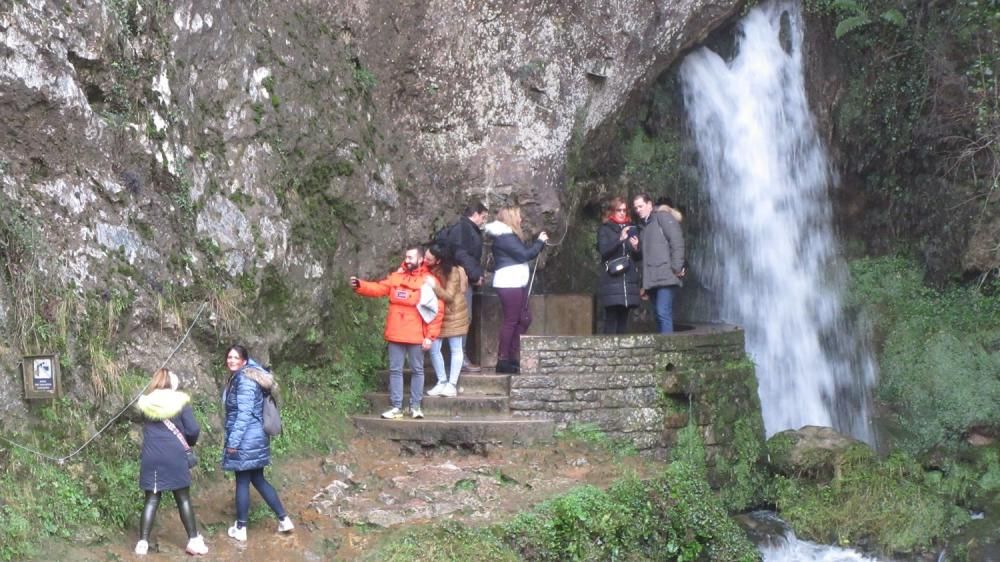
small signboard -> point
(41, 377)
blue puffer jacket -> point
(243, 399)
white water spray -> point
(772, 258)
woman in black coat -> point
(617, 291)
(168, 425)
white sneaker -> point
(285, 525)
(392, 414)
(142, 547)
(437, 390)
(417, 413)
(449, 391)
(196, 546)
(238, 534)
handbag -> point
(272, 417)
(192, 459)
(619, 265)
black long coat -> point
(616, 290)
(163, 462)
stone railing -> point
(641, 388)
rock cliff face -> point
(155, 155)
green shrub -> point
(674, 517)
(892, 504)
(446, 542)
(591, 434)
(42, 499)
(937, 352)
(629, 520)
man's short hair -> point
(474, 208)
(418, 247)
(644, 196)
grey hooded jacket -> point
(661, 244)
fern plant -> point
(856, 17)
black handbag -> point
(618, 266)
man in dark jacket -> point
(661, 247)
(466, 241)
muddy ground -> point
(343, 504)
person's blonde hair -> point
(511, 216)
(161, 379)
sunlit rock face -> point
(151, 148)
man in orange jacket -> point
(406, 329)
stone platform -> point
(638, 388)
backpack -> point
(272, 417)
(443, 237)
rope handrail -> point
(62, 460)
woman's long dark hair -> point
(446, 261)
(242, 351)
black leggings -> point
(183, 499)
(615, 319)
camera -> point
(633, 231)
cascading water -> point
(772, 260)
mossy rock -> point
(814, 452)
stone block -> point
(534, 394)
(640, 396)
(582, 381)
(645, 440)
(532, 381)
(675, 420)
(642, 419)
(558, 395)
(566, 406)
(518, 404)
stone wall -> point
(641, 388)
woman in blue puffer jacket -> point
(247, 448)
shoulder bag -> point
(619, 265)
(192, 458)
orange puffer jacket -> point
(403, 323)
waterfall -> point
(772, 260)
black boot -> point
(504, 366)
(516, 365)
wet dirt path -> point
(342, 504)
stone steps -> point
(467, 406)
(480, 414)
(485, 383)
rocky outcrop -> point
(814, 452)
(155, 155)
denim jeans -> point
(663, 301)
(437, 359)
(256, 477)
(398, 352)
